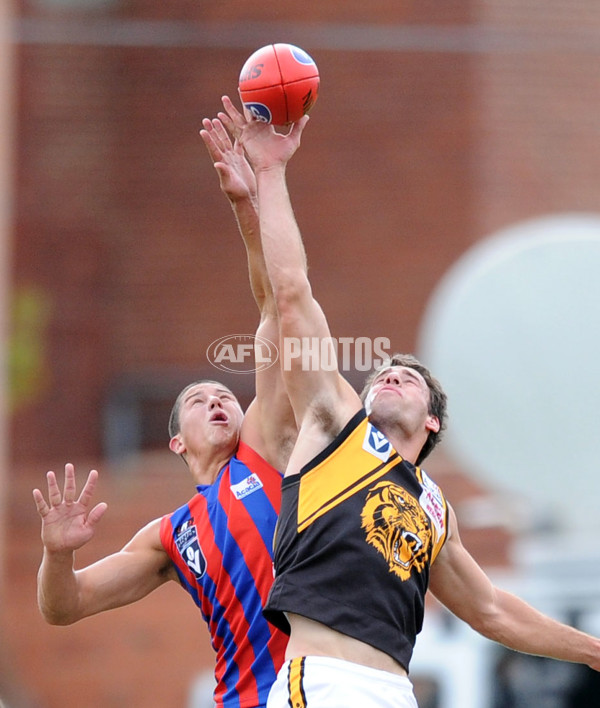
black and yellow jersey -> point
(358, 530)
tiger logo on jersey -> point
(396, 525)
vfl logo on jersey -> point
(377, 444)
(247, 486)
(397, 527)
(186, 539)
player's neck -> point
(408, 446)
(205, 467)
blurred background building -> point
(448, 191)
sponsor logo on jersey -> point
(432, 502)
(186, 539)
(377, 444)
(247, 486)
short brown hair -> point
(437, 398)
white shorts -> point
(325, 682)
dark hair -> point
(437, 398)
(174, 426)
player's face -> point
(398, 393)
(210, 414)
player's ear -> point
(432, 424)
(176, 445)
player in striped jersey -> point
(218, 545)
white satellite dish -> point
(513, 334)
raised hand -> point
(235, 174)
(263, 145)
(68, 522)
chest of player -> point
(225, 527)
(363, 494)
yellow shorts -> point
(324, 682)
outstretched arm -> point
(238, 184)
(317, 392)
(66, 595)
(269, 426)
(461, 585)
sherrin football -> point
(279, 84)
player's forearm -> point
(522, 628)
(281, 239)
(246, 215)
(57, 590)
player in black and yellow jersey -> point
(363, 531)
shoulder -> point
(148, 536)
(146, 546)
(272, 443)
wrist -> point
(272, 174)
(59, 556)
(242, 199)
(270, 168)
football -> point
(279, 84)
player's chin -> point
(384, 408)
(229, 432)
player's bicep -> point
(269, 426)
(124, 577)
(308, 355)
(459, 583)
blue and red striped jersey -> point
(221, 543)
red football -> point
(279, 84)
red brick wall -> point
(410, 157)
(122, 227)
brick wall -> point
(122, 228)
